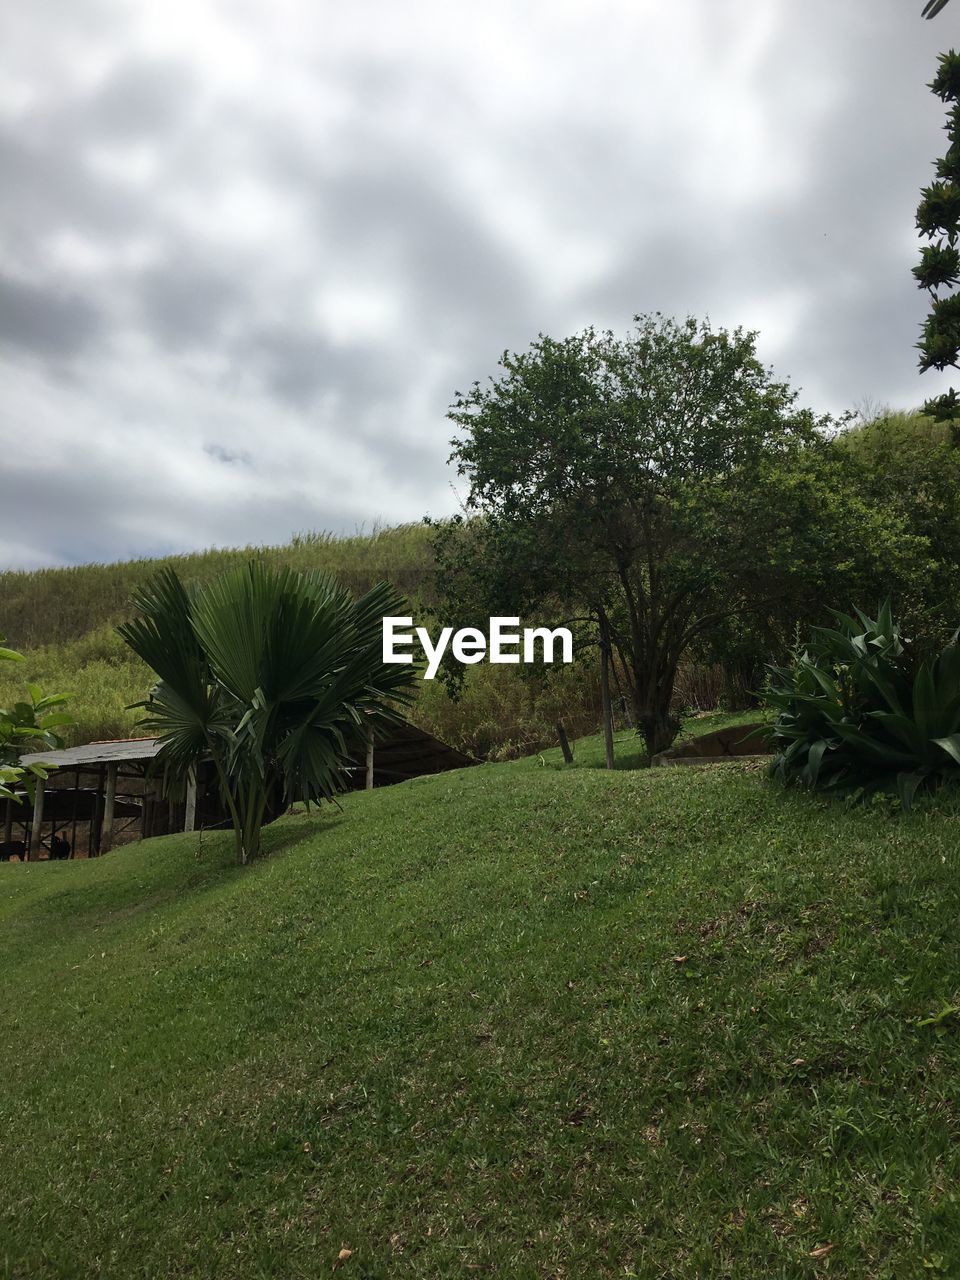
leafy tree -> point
(938, 220)
(27, 725)
(908, 464)
(276, 676)
(661, 484)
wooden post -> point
(146, 814)
(36, 827)
(369, 759)
(96, 817)
(109, 805)
(8, 823)
(605, 691)
(564, 742)
(73, 829)
(190, 812)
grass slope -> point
(514, 1021)
(56, 606)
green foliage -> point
(859, 711)
(662, 484)
(938, 219)
(276, 675)
(501, 711)
(27, 725)
(907, 465)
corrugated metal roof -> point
(128, 749)
(405, 752)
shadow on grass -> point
(164, 869)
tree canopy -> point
(660, 483)
(938, 220)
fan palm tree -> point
(276, 676)
(933, 7)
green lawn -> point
(516, 1021)
(628, 748)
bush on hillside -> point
(860, 710)
(25, 726)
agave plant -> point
(858, 711)
(276, 676)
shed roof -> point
(125, 749)
(405, 751)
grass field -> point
(517, 1021)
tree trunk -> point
(654, 719)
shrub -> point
(860, 710)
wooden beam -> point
(73, 829)
(109, 805)
(35, 829)
(96, 817)
(146, 813)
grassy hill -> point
(58, 606)
(520, 1021)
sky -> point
(250, 251)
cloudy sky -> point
(249, 251)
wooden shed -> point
(104, 793)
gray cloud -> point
(46, 321)
(185, 303)
(247, 259)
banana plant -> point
(857, 710)
(32, 724)
(275, 676)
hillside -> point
(59, 606)
(63, 621)
(517, 1021)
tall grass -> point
(55, 606)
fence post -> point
(37, 825)
(109, 805)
